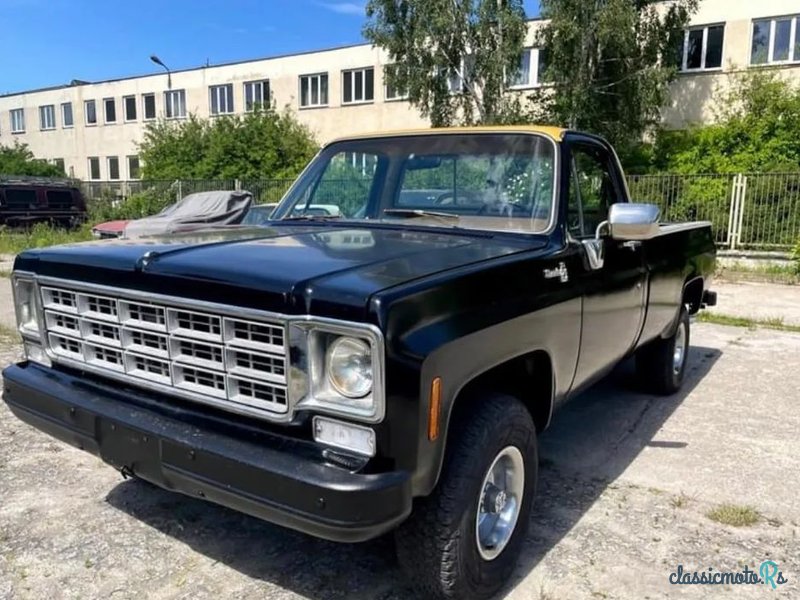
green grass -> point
(14, 241)
(734, 515)
(770, 273)
(750, 323)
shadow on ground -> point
(592, 441)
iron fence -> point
(747, 210)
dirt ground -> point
(626, 481)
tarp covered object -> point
(204, 208)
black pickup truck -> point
(385, 367)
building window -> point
(18, 120)
(775, 41)
(314, 90)
(94, 168)
(175, 104)
(47, 117)
(149, 106)
(358, 85)
(66, 115)
(256, 94)
(129, 106)
(531, 69)
(110, 107)
(702, 48)
(90, 111)
(221, 99)
(133, 167)
(59, 163)
(391, 92)
(113, 167)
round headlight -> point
(349, 362)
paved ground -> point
(758, 301)
(626, 482)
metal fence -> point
(747, 210)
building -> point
(92, 129)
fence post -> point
(742, 195)
(179, 192)
(237, 185)
(733, 216)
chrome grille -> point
(209, 356)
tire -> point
(661, 365)
(438, 546)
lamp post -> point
(157, 60)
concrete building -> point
(92, 129)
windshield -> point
(479, 181)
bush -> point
(40, 236)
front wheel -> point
(661, 365)
(463, 540)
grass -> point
(734, 515)
(771, 272)
(679, 501)
(14, 241)
(750, 323)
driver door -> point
(613, 292)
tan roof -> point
(556, 133)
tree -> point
(454, 58)
(19, 160)
(261, 144)
(609, 63)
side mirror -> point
(631, 221)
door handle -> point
(632, 244)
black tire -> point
(656, 363)
(437, 546)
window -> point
(314, 90)
(90, 110)
(175, 104)
(591, 190)
(94, 167)
(702, 48)
(358, 85)
(149, 106)
(66, 115)
(221, 99)
(392, 93)
(21, 198)
(18, 120)
(775, 41)
(133, 167)
(531, 69)
(256, 94)
(113, 167)
(110, 106)
(129, 106)
(47, 117)
(59, 162)
(59, 199)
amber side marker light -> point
(434, 405)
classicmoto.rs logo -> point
(767, 574)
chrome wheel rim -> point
(679, 354)
(499, 502)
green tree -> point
(609, 63)
(261, 144)
(19, 160)
(454, 58)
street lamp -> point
(157, 60)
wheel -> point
(464, 539)
(661, 365)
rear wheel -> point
(463, 540)
(661, 365)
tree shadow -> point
(592, 440)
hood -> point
(291, 268)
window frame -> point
(125, 118)
(215, 91)
(352, 73)
(138, 167)
(110, 171)
(266, 94)
(794, 33)
(534, 70)
(386, 96)
(113, 102)
(89, 160)
(42, 111)
(86, 104)
(168, 104)
(703, 48)
(318, 77)
(144, 107)
(64, 124)
(20, 112)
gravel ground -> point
(626, 482)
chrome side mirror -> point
(631, 221)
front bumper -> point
(276, 478)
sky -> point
(51, 42)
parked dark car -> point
(387, 367)
(29, 200)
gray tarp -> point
(204, 208)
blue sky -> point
(50, 42)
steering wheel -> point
(445, 198)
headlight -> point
(349, 367)
(27, 311)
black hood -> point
(291, 268)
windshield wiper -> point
(418, 212)
(310, 217)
